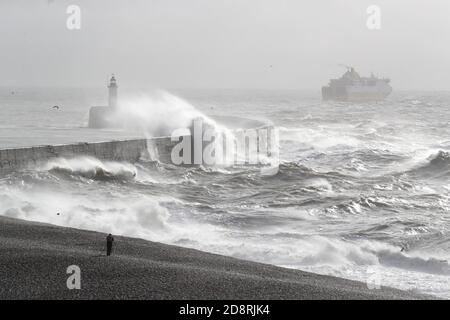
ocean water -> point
(362, 191)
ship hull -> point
(357, 93)
(356, 97)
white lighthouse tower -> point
(112, 100)
(102, 116)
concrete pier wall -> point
(23, 158)
(127, 151)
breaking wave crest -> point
(436, 165)
(92, 168)
(414, 263)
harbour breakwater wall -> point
(23, 158)
(157, 149)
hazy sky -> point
(290, 44)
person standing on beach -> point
(109, 244)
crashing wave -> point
(436, 165)
(92, 168)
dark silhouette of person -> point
(109, 244)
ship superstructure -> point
(352, 87)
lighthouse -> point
(103, 116)
(112, 87)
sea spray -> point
(164, 114)
(157, 114)
(107, 211)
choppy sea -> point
(362, 191)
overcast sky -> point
(291, 44)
